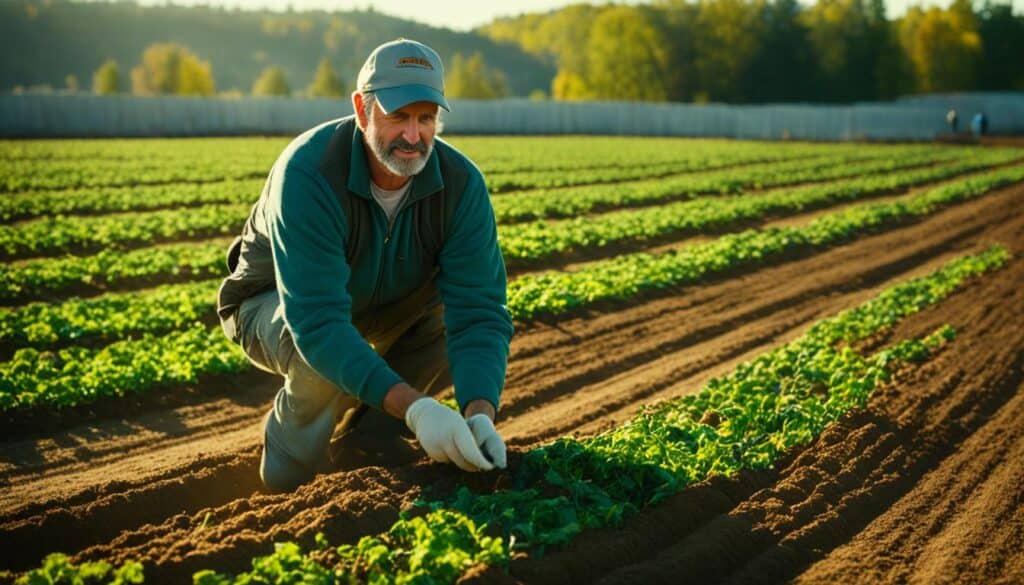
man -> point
(369, 275)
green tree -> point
(171, 69)
(195, 78)
(943, 46)
(338, 32)
(893, 73)
(1002, 38)
(783, 69)
(272, 81)
(844, 35)
(569, 86)
(555, 37)
(470, 77)
(326, 83)
(675, 21)
(727, 37)
(627, 57)
(71, 83)
(106, 80)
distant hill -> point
(46, 40)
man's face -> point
(403, 140)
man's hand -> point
(445, 435)
(488, 438)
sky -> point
(467, 14)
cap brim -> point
(395, 98)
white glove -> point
(444, 435)
(488, 438)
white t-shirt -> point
(389, 200)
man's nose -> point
(411, 131)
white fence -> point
(922, 118)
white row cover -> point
(917, 118)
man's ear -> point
(357, 105)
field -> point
(734, 362)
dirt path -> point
(177, 488)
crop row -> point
(574, 201)
(533, 242)
(177, 151)
(501, 183)
(777, 402)
(107, 199)
(98, 200)
(58, 234)
(216, 160)
(113, 315)
(549, 293)
(552, 153)
(571, 202)
(52, 236)
(78, 375)
(626, 276)
(46, 276)
(18, 176)
(108, 317)
(495, 154)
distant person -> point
(952, 119)
(369, 275)
(979, 124)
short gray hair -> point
(369, 100)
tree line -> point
(756, 51)
(173, 69)
(738, 51)
(61, 43)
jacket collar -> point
(427, 182)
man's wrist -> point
(480, 406)
(398, 399)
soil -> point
(921, 486)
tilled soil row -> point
(617, 360)
(923, 485)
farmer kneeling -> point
(369, 275)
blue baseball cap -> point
(402, 72)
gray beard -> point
(400, 166)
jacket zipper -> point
(387, 238)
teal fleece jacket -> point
(306, 228)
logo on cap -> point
(415, 62)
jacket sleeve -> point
(473, 285)
(306, 227)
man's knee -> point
(295, 442)
(281, 473)
(279, 470)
